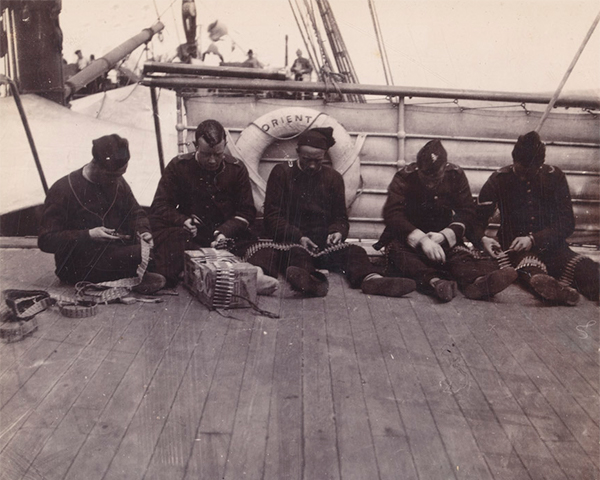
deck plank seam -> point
(515, 396)
(252, 334)
(201, 416)
(413, 367)
(397, 400)
(362, 380)
(456, 402)
(490, 404)
(328, 334)
(50, 389)
(552, 371)
(49, 439)
(117, 386)
(184, 372)
(148, 384)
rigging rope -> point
(305, 36)
(387, 71)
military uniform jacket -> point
(217, 198)
(74, 205)
(411, 206)
(540, 207)
(298, 204)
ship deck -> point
(343, 387)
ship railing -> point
(572, 132)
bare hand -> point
(491, 246)
(103, 234)
(432, 250)
(334, 238)
(190, 227)
(220, 241)
(437, 237)
(147, 237)
(521, 243)
(309, 244)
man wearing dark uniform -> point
(301, 68)
(536, 218)
(428, 211)
(305, 214)
(204, 199)
(91, 221)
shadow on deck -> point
(342, 387)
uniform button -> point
(533, 218)
(435, 198)
(529, 190)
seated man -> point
(305, 212)
(536, 218)
(204, 199)
(91, 221)
(428, 211)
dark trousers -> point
(99, 262)
(169, 247)
(461, 265)
(571, 269)
(171, 243)
(352, 261)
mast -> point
(102, 65)
(32, 47)
(338, 47)
(189, 49)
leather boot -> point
(311, 284)
(489, 285)
(551, 290)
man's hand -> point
(491, 246)
(190, 227)
(522, 243)
(147, 237)
(334, 238)
(309, 244)
(103, 234)
(220, 241)
(432, 250)
(437, 237)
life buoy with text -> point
(288, 123)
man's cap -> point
(529, 151)
(318, 138)
(432, 157)
(110, 152)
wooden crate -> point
(219, 280)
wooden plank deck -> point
(342, 387)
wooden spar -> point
(567, 73)
(15, 92)
(161, 155)
(206, 70)
(102, 65)
(383, 90)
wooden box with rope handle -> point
(220, 279)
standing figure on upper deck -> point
(301, 68)
(536, 218)
(428, 211)
(91, 221)
(305, 213)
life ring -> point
(288, 123)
